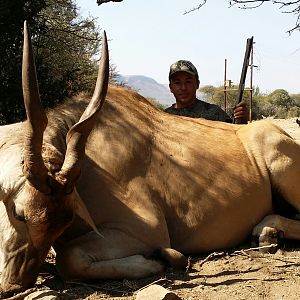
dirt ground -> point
(290, 126)
(234, 274)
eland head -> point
(38, 182)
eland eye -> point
(68, 217)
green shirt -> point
(201, 109)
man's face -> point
(184, 86)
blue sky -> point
(147, 36)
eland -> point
(121, 192)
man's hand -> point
(241, 113)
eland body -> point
(121, 192)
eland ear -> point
(82, 211)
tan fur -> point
(152, 183)
(168, 181)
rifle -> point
(249, 46)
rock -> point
(43, 295)
(156, 292)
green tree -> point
(293, 112)
(12, 15)
(281, 98)
(216, 96)
(296, 99)
(156, 103)
(209, 92)
(256, 110)
(64, 46)
(64, 51)
(278, 104)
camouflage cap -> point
(183, 66)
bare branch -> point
(195, 8)
(297, 27)
(253, 3)
(211, 256)
(291, 7)
(99, 2)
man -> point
(183, 83)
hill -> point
(148, 87)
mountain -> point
(148, 87)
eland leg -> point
(273, 227)
(114, 256)
(283, 163)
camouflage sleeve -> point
(223, 116)
(212, 112)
